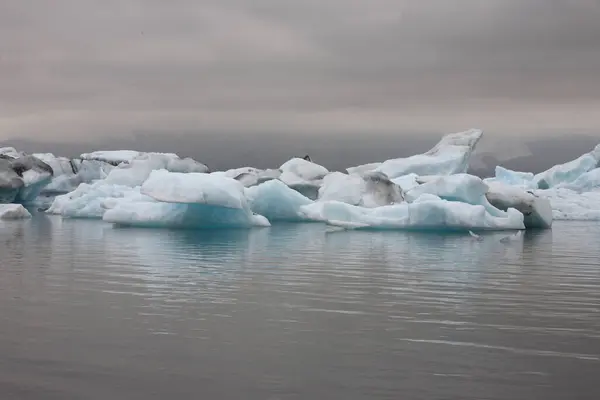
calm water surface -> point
(295, 312)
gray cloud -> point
(86, 68)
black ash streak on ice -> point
(294, 312)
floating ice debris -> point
(475, 236)
(13, 211)
(516, 236)
(429, 191)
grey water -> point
(88, 311)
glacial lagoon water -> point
(88, 311)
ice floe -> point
(429, 191)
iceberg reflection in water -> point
(296, 310)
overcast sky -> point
(95, 68)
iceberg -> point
(13, 211)
(407, 182)
(303, 169)
(361, 169)
(573, 206)
(87, 201)
(568, 172)
(345, 188)
(114, 157)
(463, 188)
(22, 178)
(69, 174)
(537, 211)
(10, 182)
(9, 153)
(118, 157)
(372, 189)
(91, 167)
(161, 190)
(36, 175)
(514, 178)
(122, 181)
(303, 176)
(561, 175)
(426, 191)
(449, 156)
(276, 201)
(428, 212)
(250, 176)
(586, 182)
(173, 187)
(187, 200)
(182, 216)
(572, 189)
(44, 175)
(137, 170)
(493, 196)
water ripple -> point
(295, 311)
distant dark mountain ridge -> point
(222, 152)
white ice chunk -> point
(514, 178)
(68, 174)
(369, 190)
(460, 187)
(428, 213)
(10, 182)
(137, 171)
(171, 187)
(561, 175)
(185, 165)
(568, 172)
(172, 161)
(194, 201)
(449, 156)
(10, 152)
(303, 169)
(495, 197)
(361, 169)
(87, 201)
(407, 182)
(587, 182)
(303, 176)
(114, 157)
(276, 201)
(570, 205)
(342, 187)
(234, 173)
(13, 211)
(268, 174)
(537, 210)
(34, 174)
(380, 190)
(60, 165)
(179, 215)
(572, 189)
(249, 176)
(35, 183)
